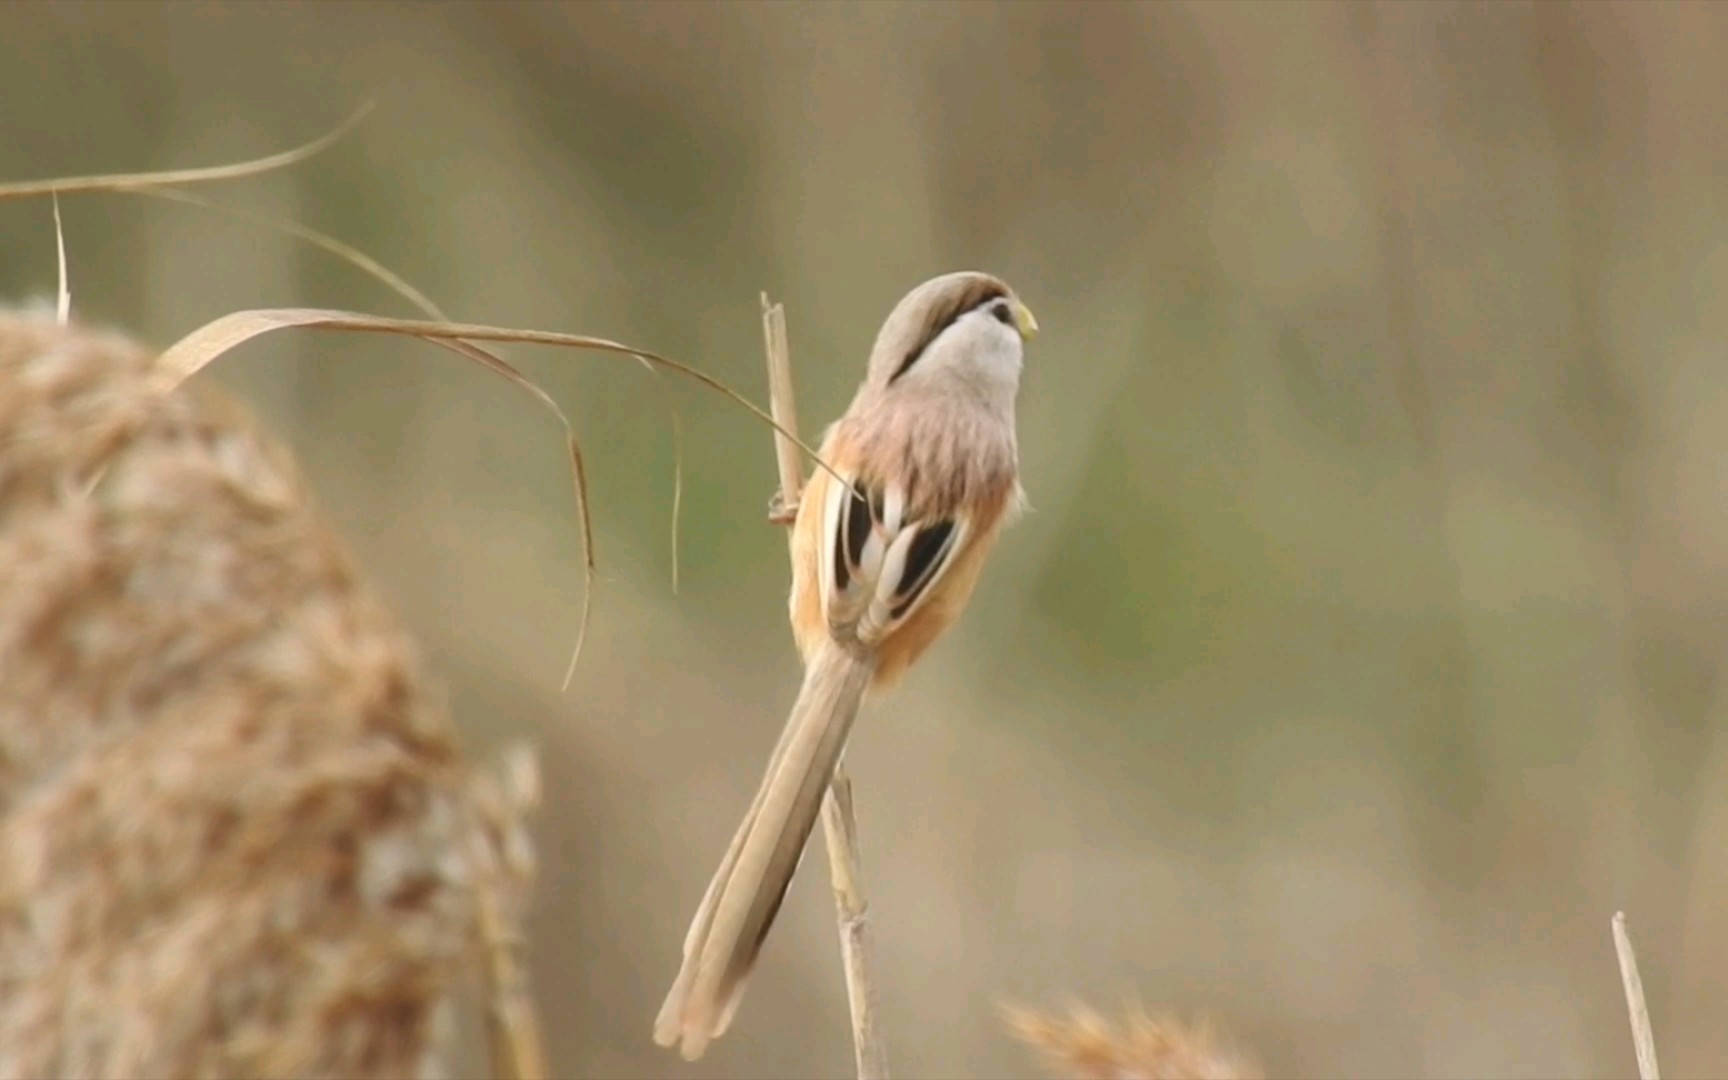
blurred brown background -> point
(1363, 652)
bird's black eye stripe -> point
(950, 317)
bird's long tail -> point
(746, 892)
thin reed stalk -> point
(839, 823)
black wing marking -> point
(877, 578)
(849, 539)
(926, 556)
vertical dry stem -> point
(782, 403)
(1643, 1040)
(839, 824)
(504, 856)
(840, 830)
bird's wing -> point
(877, 566)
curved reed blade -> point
(204, 345)
(68, 185)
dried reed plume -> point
(235, 835)
(1085, 1046)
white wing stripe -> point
(878, 614)
(893, 509)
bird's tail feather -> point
(745, 895)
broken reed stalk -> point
(839, 823)
(1643, 1039)
(783, 407)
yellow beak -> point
(1027, 322)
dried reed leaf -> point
(677, 421)
(348, 253)
(63, 295)
(373, 268)
(366, 264)
(677, 485)
(396, 283)
(203, 346)
(236, 838)
(1085, 1046)
(211, 341)
(130, 181)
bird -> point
(915, 482)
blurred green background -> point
(1362, 653)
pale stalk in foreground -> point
(1643, 1039)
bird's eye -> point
(1003, 315)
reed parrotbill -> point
(885, 553)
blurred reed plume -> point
(1085, 1046)
(236, 837)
